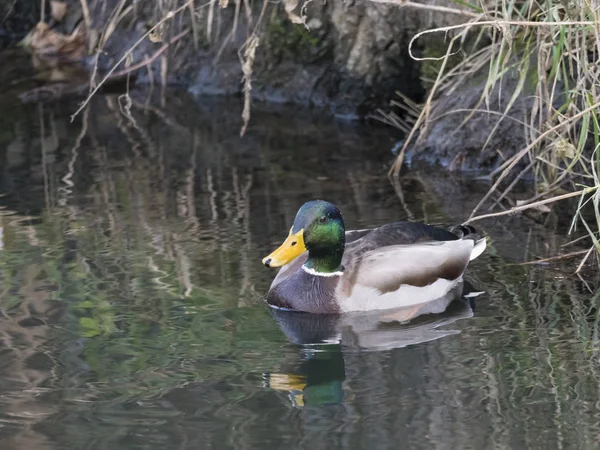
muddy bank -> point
(466, 134)
(348, 58)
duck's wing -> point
(354, 235)
(387, 268)
(398, 233)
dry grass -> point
(171, 23)
(555, 46)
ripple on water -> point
(132, 312)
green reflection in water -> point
(131, 296)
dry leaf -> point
(155, 35)
(290, 6)
(45, 41)
(223, 3)
(541, 208)
(565, 149)
(58, 10)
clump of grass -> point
(554, 48)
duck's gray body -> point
(396, 265)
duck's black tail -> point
(463, 231)
(468, 232)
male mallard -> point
(326, 269)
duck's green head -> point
(318, 228)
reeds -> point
(553, 48)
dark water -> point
(131, 295)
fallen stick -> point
(516, 209)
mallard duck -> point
(328, 270)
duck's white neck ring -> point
(321, 274)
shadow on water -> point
(324, 338)
(131, 295)
(370, 330)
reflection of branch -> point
(122, 125)
(160, 114)
(44, 159)
(190, 186)
(245, 263)
(357, 192)
(213, 196)
(25, 342)
(74, 152)
(400, 193)
(184, 266)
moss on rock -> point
(286, 40)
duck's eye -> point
(322, 219)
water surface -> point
(131, 295)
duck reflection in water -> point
(324, 338)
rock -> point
(485, 140)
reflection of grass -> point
(536, 351)
(122, 251)
(156, 290)
(142, 334)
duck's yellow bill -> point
(286, 381)
(288, 251)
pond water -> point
(131, 294)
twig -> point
(521, 23)
(194, 25)
(247, 62)
(442, 9)
(556, 258)
(580, 238)
(533, 205)
(514, 182)
(582, 263)
(512, 162)
(483, 111)
(150, 59)
(209, 20)
(87, 19)
(58, 90)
